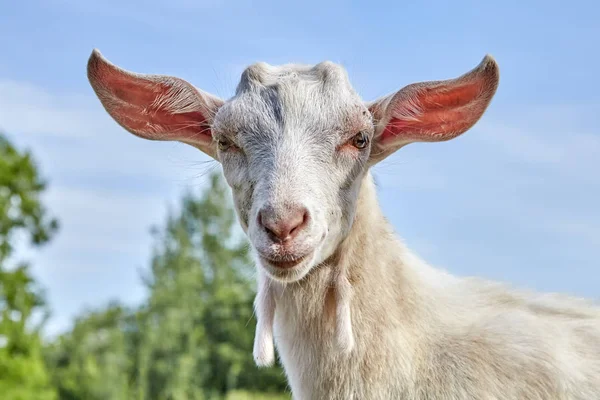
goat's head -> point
(294, 141)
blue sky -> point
(515, 199)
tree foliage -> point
(20, 208)
(23, 374)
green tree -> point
(20, 207)
(94, 360)
(23, 374)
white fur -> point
(264, 305)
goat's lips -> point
(284, 263)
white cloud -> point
(563, 138)
(28, 109)
(93, 220)
(551, 163)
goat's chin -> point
(288, 274)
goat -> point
(353, 313)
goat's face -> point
(294, 142)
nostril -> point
(272, 232)
(283, 227)
(299, 221)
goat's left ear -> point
(432, 111)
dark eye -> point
(225, 144)
(360, 140)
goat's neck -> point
(369, 235)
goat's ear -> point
(154, 107)
(432, 111)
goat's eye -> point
(360, 140)
(225, 144)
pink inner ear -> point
(156, 108)
(444, 114)
(439, 111)
(153, 123)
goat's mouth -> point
(288, 269)
(284, 263)
(287, 263)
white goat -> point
(355, 315)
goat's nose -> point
(283, 227)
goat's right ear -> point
(155, 107)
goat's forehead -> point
(292, 93)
